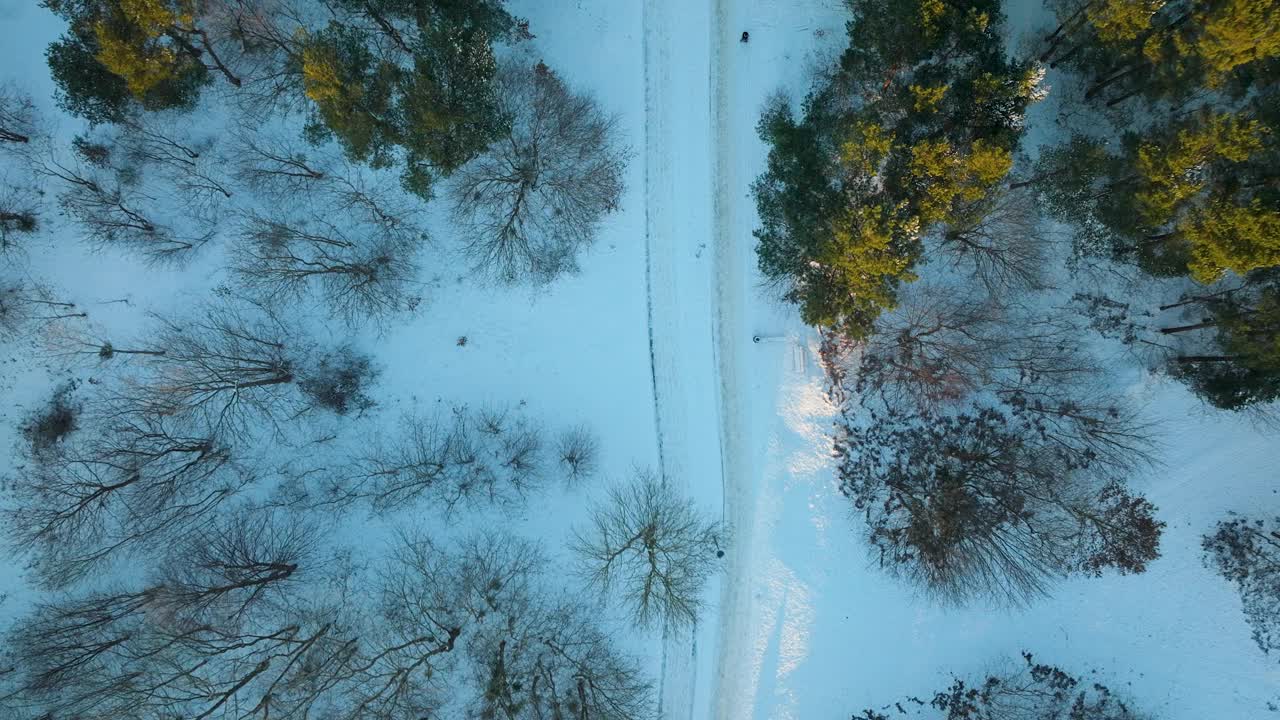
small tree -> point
(651, 545)
(111, 212)
(51, 424)
(1036, 691)
(26, 307)
(532, 203)
(1247, 553)
(981, 504)
(339, 381)
(578, 451)
(19, 214)
(363, 278)
(467, 458)
(17, 116)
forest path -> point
(678, 158)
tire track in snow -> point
(677, 674)
(729, 332)
(650, 151)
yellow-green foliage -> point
(320, 78)
(859, 269)
(1233, 33)
(1120, 20)
(1169, 171)
(868, 145)
(948, 179)
(979, 21)
(927, 99)
(1226, 237)
(142, 65)
(130, 43)
(931, 11)
(154, 17)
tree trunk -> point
(277, 380)
(1188, 328)
(1197, 299)
(11, 136)
(1107, 82)
(1054, 40)
(1067, 56)
(1117, 100)
(1205, 358)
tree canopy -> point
(905, 138)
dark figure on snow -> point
(745, 36)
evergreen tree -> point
(411, 82)
(118, 52)
(1242, 365)
(906, 138)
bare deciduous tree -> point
(942, 346)
(1001, 242)
(187, 164)
(485, 599)
(984, 504)
(110, 212)
(578, 452)
(221, 572)
(653, 547)
(261, 39)
(17, 116)
(551, 659)
(530, 205)
(463, 458)
(364, 277)
(226, 623)
(26, 307)
(19, 213)
(277, 167)
(127, 484)
(225, 366)
(433, 596)
(206, 632)
(1246, 552)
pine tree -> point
(407, 82)
(914, 130)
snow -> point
(651, 346)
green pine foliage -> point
(908, 136)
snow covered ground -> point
(809, 627)
(651, 346)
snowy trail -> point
(769, 440)
(677, 158)
(729, 329)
